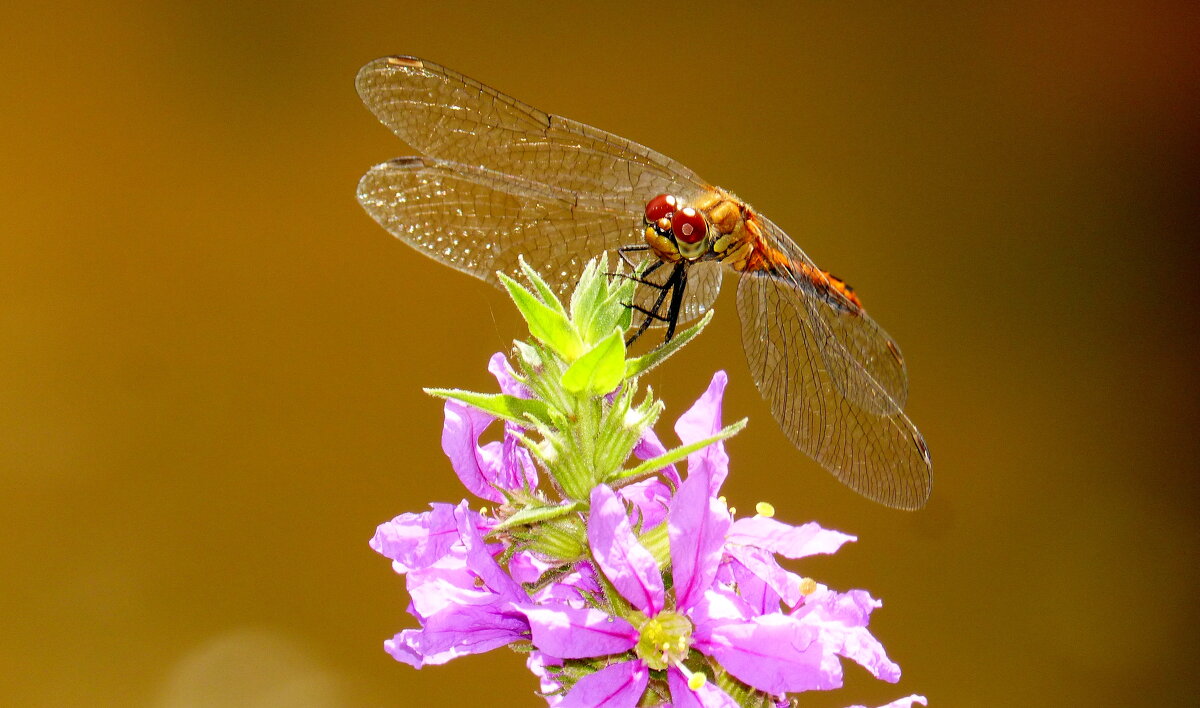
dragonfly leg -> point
(624, 252)
(676, 300)
(639, 278)
(671, 285)
(642, 278)
(648, 313)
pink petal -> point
(651, 497)
(543, 667)
(572, 589)
(525, 567)
(762, 565)
(458, 615)
(460, 441)
(481, 562)
(650, 447)
(697, 527)
(842, 620)
(859, 645)
(852, 608)
(447, 582)
(719, 606)
(701, 421)
(617, 686)
(516, 470)
(709, 696)
(500, 368)
(753, 589)
(570, 633)
(626, 563)
(457, 631)
(403, 648)
(773, 653)
(787, 540)
(417, 540)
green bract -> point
(600, 370)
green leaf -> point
(528, 355)
(534, 514)
(645, 414)
(543, 451)
(600, 370)
(621, 293)
(585, 300)
(673, 456)
(609, 315)
(545, 292)
(611, 311)
(624, 314)
(522, 411)
(656, 541)
(651, 359)
(548, 325)
(563, 538)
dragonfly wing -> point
(703, 286)
(863, 361)
(480, 222)
(445, 115)
(881, 456)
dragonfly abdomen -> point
(824, 285)
(740, 245)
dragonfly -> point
(497, 179)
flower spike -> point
(624, 582)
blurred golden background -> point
(212, 358)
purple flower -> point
(773, 653)
(749, 564)
(727, 589)
(417, 541)
(464, 600)
(658, 638)
(652, 496)
(618, 627)
(486, 469)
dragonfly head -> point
(686, 228)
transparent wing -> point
(881, 456)
(479, 221)
(445, 115)
(863, 361)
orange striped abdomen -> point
(741, 245)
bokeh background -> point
(211, 358)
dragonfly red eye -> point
(660, 206)
(688, 225)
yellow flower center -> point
(665, 640)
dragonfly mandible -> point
(497, 179)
